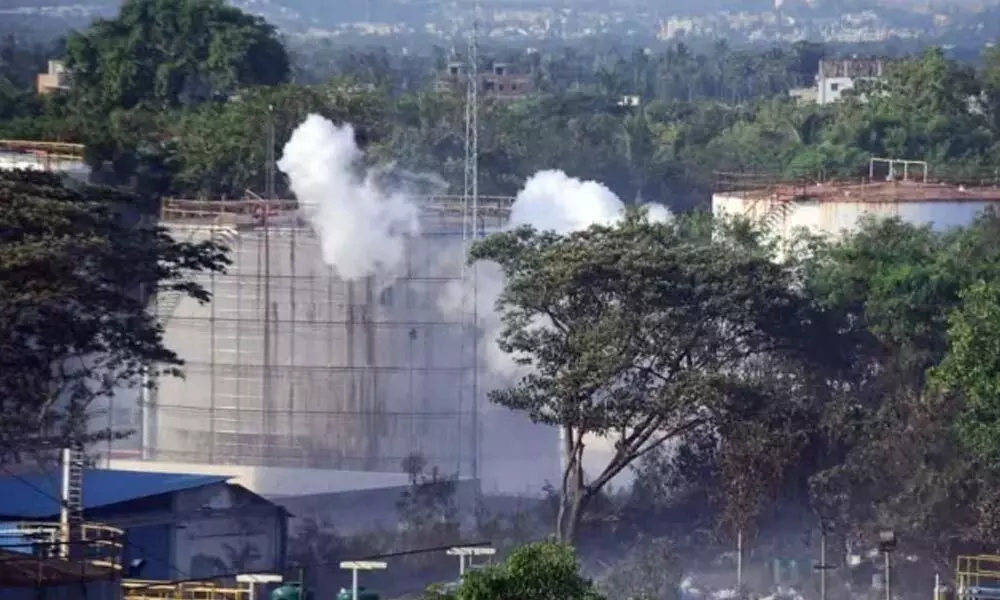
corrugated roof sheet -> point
(36, 496)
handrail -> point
(97, 544)
(52, 149)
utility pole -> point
(823, 567)
(739, 560)
(887, 544)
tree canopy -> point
(641, 332)
(75, 274)
(539, 571)
(165, 54)
(853, 385)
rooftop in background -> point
(853, 67)
(36, 496)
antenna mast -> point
(470, 220)
(471, 195)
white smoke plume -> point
(363, 227)
(549, 201)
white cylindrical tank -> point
(77, 169)
(832, 208)
(291, 366)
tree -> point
(170, 53)
(539, 571)
(131, 73)
(74, 278)
(641, 333)
(971, 369)
(222, 148)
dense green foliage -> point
(74, 272)
(649, 330)
(856, 383)
(191, 118)
(540, 571)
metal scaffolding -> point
(291, 366)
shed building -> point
(182, 526)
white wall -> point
(831, 88)
(833, 217)
(76, 169)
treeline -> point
(855, 385)
(191, 118)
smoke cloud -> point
(363, 227)
(550, 201)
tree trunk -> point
(573, 495)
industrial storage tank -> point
(55, 157)
(291, 366)
(833, 207)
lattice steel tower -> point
(470, 224)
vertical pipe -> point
(353, 426)
(739, 560)
(888, 577)
(822, 564)
(372, 404)
(67, 458)
(475, 376)
(212, 351)
(354, 583)
(239, 389)
(293, 373)
(266, 400)
(146, 415)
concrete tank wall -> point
(832, 217)
(291, 366)
(10, 161)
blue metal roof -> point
(36, 496)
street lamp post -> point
(823, 567)
(887, 544)
(360, 565)
(252, 579)
(465, 554)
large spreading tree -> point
(75, 273)
(642, 333)
(171, 53)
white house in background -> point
(836, 76)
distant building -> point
(504, 85)
(498, 83)
(182, 526)
(836, 76)
(54, 80)
(804, 95)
